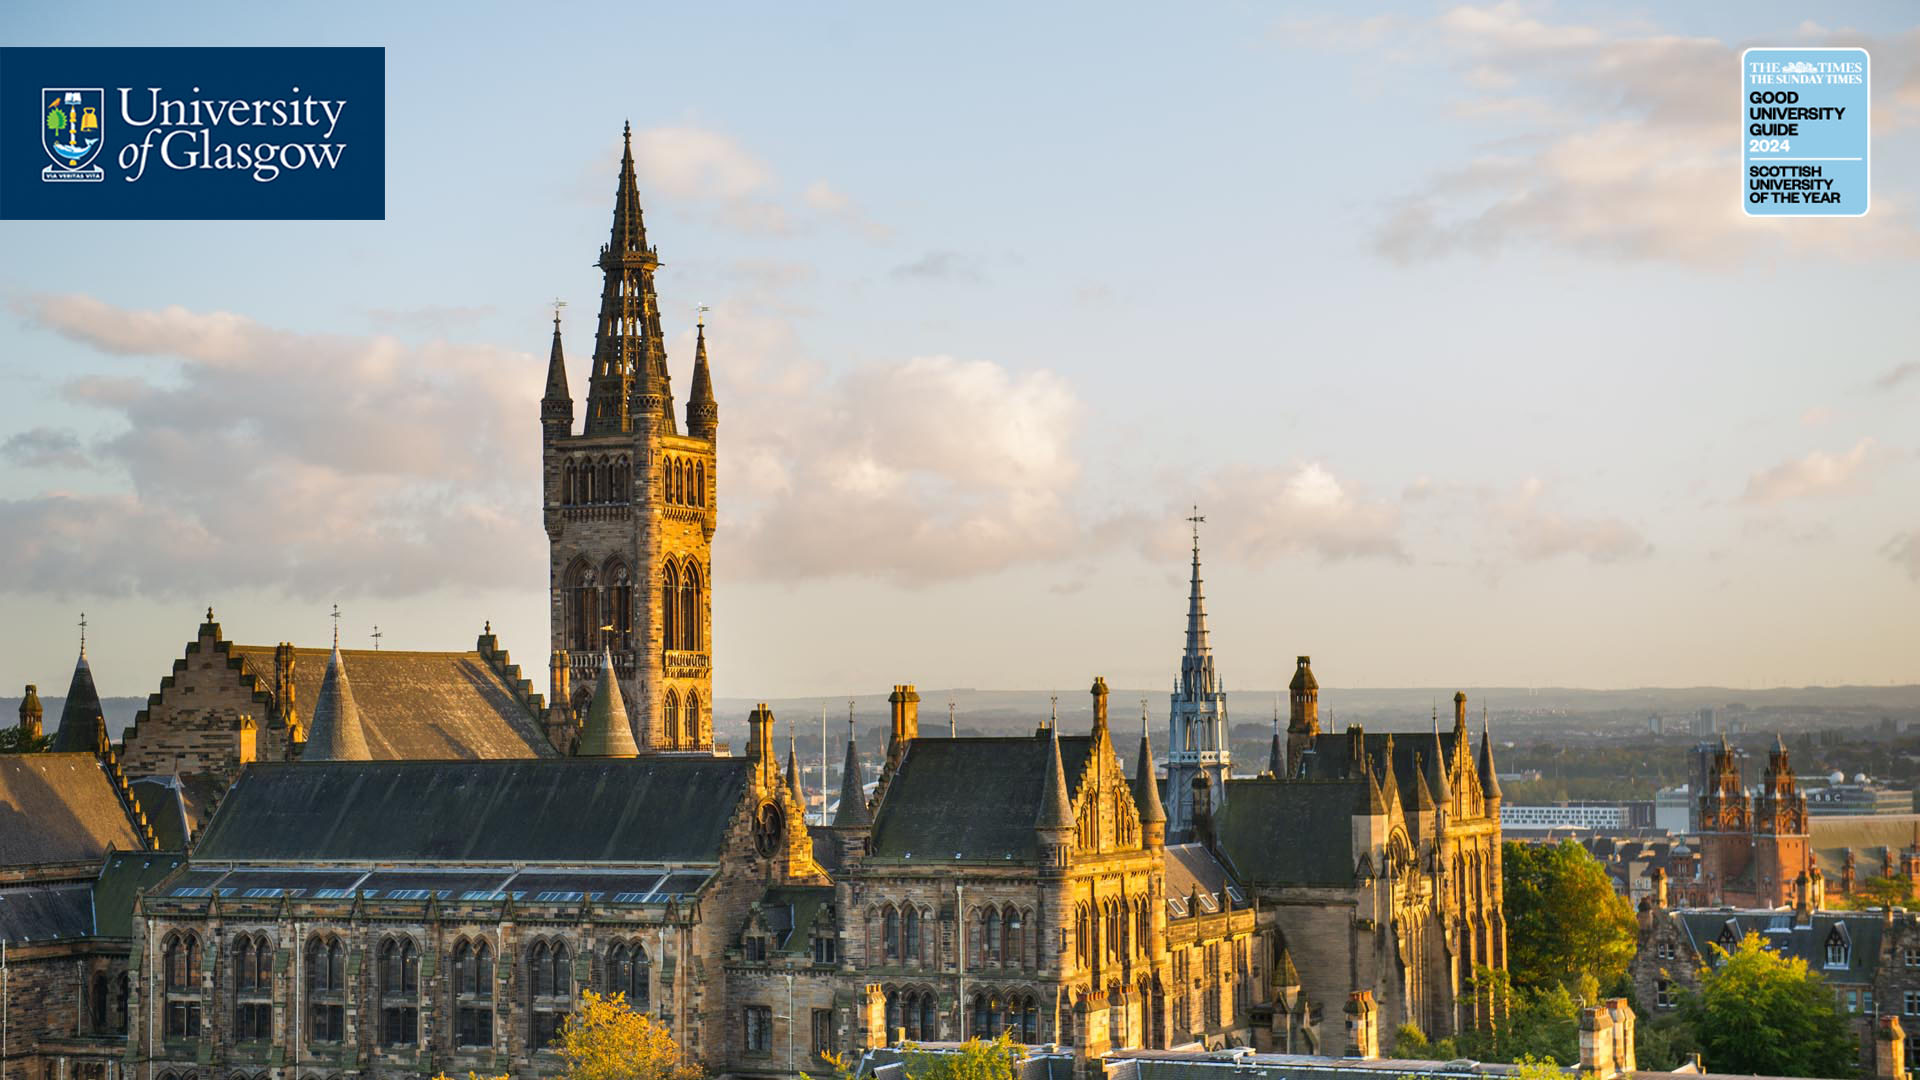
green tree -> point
(57, 120)
(14, 740)
(1756, 1012)
(1884, 892)
(1565, 923)
(977, 1059)
(1542, 1024)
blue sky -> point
(1446, 315)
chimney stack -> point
(1889, 1049)
(1606, 1040)
(1363, 1026)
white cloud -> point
(1534, 533)
(1818, 473)
(317, 464)
(1283, 510)
(1619, 146)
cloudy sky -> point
(1447, 318)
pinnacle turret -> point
(852, 812)
(1489, 777)
(82, 724)
(1146, 786)
(607, 732)
(793, 774)
(1056, 812)
(703, 415)
(556, 407)
(337, 734)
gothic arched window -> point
(326, 989)
(910, 935)
(473, 994)
(669, 605)
(690, 608)
(673, 715)
(890, 931)
(552, 979)
(577, 593)
(700, 483)
(629, 974)
(399, 992)
(690, 730)
(619, 604)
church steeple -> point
(556, 408)
(629, 382)
(1197, 737)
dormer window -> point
(756, 947)
(1839, 949)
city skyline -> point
(1460, 408)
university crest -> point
(73, 130)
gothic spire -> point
(1146, 786)
(1055, 811)
(1438, 781)
(1276, 754)
(336, 734)
(1489, 777)
(556, 408)
(629, 382)
(703, 415)
(629, 223)
(852, 812)
(793, 773)
(1196, 663)
(607, 732)
(78, 716)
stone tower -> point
(1197, 736)
(630, 510)
(1726, 824)
(1780, 838)
(1303, 713)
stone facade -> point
(630, 505)
(1753, 849)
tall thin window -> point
(690, 608)
(252, 989)
(910, 935)
(690, 731)
(669, 605)
(890, 932)
(473, 993)
(181, 955)
(551, 975)
(673, 714)
(700, 484)
(326, 990)
(399, 992)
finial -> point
(849, 719)
(1197, 518)
(83, 633)
(209, 612)
(626, 130)
(1054, 715)
(487, 627)
(1143, 718)
(557, 305)
(336, 626)
(700, 315)
(377, 635)
(953, 731)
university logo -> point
(73, 129)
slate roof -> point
(1291, 832)
(789, 912)
(971, 799)
(125, 875)
(567, 810)
(1705, 927)
(417, 706)
(624, 885)
(59, 808)
(160, 798)
(78, 716)
(45, 912)
(1192, 871)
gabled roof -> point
(1293, 832)
(971, 798)
(569, 810)
(416, 706)
(60, 808)
(32, 913)
(125, 875)
(1191, 870)
(1859, 931)
(790, 910)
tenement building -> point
(397, 864)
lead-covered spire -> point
(703, 414)
(607, 732)
(1196, 663)
(556, 406)
(337, 734)
(852, 811)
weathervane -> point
(700, 315)
(849, 719)
(336, 626)
(1054, 711)
(377, 635)
(1197, 519)
(83, 633)
(557, 305)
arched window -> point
(619, 603)
(473, 993)
(629, 974)
(910, 935)
(1011, 926)
(181, 956)
(1082, 935)
(399, 992)
(673, 715)
(97, 1002)
(690, 728)
(552, 981)
(700, 483)
(690, 608)
(890, 931)
(582, 601)
(326, 989)
(669, 606)
(252, 989)
(1024, 1019)
(122, 993)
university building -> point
(330, 864)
